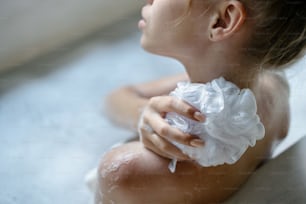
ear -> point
(228, 19)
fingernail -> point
(199, 116)
(197, 143)
(184, 158)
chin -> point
(152, 48)
(156, 48)
(147, 46)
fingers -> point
(164, 148)
(157, 135)
(163, 129)
(158, 144)
(172, 104)
(156, 139)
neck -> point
(202, 71)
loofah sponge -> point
(231, 126)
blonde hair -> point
(279, 33)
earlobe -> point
(229, 20)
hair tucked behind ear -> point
(280, 30)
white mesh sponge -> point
(231, 126)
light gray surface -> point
(52, 128)
(30, 28)
(282, 180)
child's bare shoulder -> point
(274, 83)
(272, 90)
(272, 95)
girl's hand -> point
(155, 132)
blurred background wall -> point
(31, 28)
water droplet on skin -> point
(109, 168)
(112, 188)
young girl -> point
(244, 41)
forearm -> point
(124, 106)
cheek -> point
(167, 12)
(165, 27)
